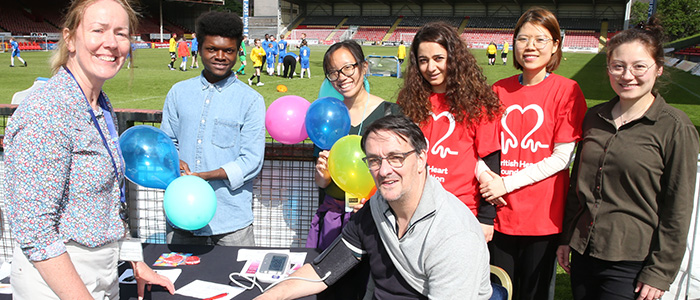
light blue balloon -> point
(366, 84)
(150, 156)
(327, 120)
(189, 202)
(327, 90)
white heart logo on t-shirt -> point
(527, 142)
(438, 149)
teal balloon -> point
(150, 157)
(327, 90)
(327, 120)
(189, 202)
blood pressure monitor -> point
(273, 268)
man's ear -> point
(422, 160)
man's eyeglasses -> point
(347, 70)
(539, 42)
(395, 160)
(637, 70)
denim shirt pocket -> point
(226, 133)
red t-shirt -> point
(182, 50)
(453, 150)
(536, 117)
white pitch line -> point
(141, 99)
(686, 89)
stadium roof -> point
(453, 2)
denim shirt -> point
(219, 125)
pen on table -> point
(217, 296)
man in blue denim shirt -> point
(218, 124)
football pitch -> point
(145, 85)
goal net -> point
(33, 42)
(321, 36)
(384, 66)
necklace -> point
(624, 121)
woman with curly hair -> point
(539, 130)
(446, 94)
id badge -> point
(350, 202)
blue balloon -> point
(327, 90)
(150, 156)
(327, 120)
(189, 202)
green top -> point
(241, 51)
(631, 192)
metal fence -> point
(285, 195)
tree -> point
(231, 6)
(680, 18)
(639, 13)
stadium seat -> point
(502, 290)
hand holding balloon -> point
(322, 176)
(218, 174)
(185, 168)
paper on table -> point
(204, 289)
(128, 276)
(253, 254)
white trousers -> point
(97, 268)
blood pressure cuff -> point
(337, 259)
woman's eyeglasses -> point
(347, 70)
(539, 42)
(637, 70)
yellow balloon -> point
(347, 169)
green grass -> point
(145, 85)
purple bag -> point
(327, 223)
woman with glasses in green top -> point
(345, 67)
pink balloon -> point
(285, 117)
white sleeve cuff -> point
(559, 160)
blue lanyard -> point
(112, 132)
